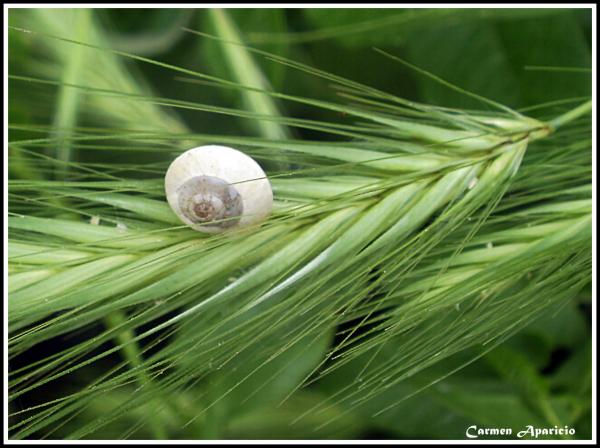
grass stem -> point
(570, 116)
(131, 352)
(68, 98)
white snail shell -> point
(214, 188)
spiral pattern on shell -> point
(205, 199)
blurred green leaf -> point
(258, 377)
(565, 327)
(556, 40)
(279, 422)
(160, 30)
(518, 372)
(473, 59)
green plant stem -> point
(247, 72)
(570, 116)
(68, 97)
(131, 352)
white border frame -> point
(6, 8)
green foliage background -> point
(520, 58)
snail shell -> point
(214, 188)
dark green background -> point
(488, 52)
